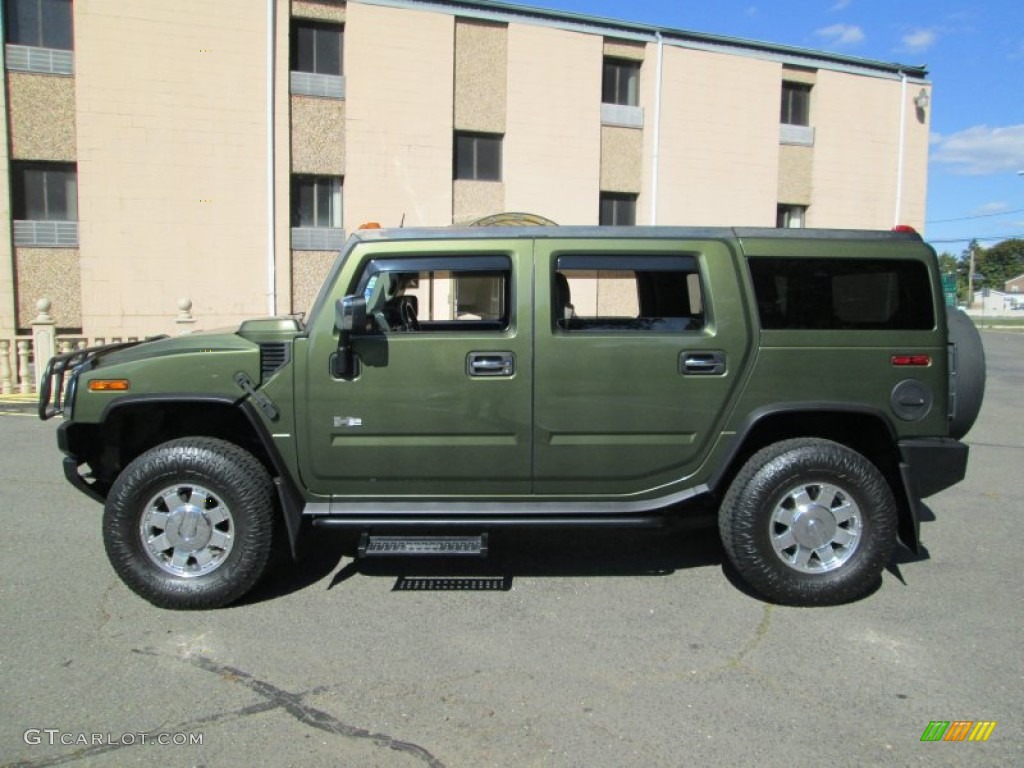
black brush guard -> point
(52, 392)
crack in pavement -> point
(273, 698)
(760, 632)
(316, 718)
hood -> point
(248, 335)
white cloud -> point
(840, 5)
(841, 34)
(981, 150)
(919, 40)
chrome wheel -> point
(187, 530)
(816, 527)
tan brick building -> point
(220, 151)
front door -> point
(441, 403)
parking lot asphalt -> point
(609, 650)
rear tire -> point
(809, 522)
(190, 523)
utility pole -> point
(970, 277)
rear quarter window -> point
(842, 294)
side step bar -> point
(426, 522)
(444, 546)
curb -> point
(19, 402)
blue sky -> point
(974, 52)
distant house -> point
(997, 302)
(1016, 285)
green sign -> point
(949, 288)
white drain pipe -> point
(271, 228)
(655, 159)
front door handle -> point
(490, 364)
(694, 363)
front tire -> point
(809, 522)
(189, 524)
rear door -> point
(636, 361)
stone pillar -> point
(6, 383)
(24, 379)
(185, 321)
(44, 339)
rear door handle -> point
(693, 363)
(490, 364)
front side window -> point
(617, 210)
(40, 23)
(477, 157)
(621, 82)
(842, 294)
(316, 201)
(627, 293)
(317, 48)
(45, 192)
(796, 104)
(445, 294)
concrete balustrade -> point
(23, 357)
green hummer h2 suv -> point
(809, 385)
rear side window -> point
(627, 293)
(842, 294)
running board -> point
(430, 521)
(438, 546)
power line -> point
(979, 216)
(1015, 236)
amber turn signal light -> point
(108, 385)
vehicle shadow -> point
(519, 553)
(547, 553)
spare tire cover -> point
(969, 382)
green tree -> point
(947, 262)
(1003, 261)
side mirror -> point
(349, 318)
(350, 314)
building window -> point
(40, 23)
(316, 213)
(317, 59)
(45, 204)
(316, 201)
(477, 157)
(796, 104)
(621, 82)
(317, 48)
(791, 216)
(45, 192)
(617, 210)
